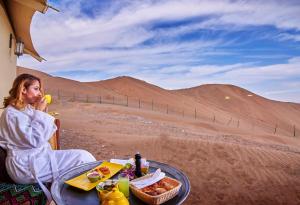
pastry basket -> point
(158, 199)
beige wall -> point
(7, 57)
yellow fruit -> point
(48, 98)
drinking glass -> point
(123, 184)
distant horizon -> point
(174, 44)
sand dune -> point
(226, 164)
(244, 104)
(253, 112)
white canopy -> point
(20, 13)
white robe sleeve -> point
(32, 131)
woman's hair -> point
(15, 97)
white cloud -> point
(68, 31)
(239, 74)
(294, 60)
(287, 36)
(282, 91)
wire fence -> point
(255, 125)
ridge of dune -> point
(132, 87)
(70, 87)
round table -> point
(64, 194)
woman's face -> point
(33, 93)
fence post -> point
(152, 104)
(294, 130)
(228, 123)
(167, 109)
(139, 103)
(195, 113)
(58, 94)
(214, 118)
(275, 129)
(127, 100)
(100, 99)
(238, 123)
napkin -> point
(122, 161)
(148, 180)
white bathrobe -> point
(24, 135)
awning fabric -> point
(20, 13)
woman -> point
(24, 133)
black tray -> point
(63, 194)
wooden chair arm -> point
(54, 140)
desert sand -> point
(237, 151)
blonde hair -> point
(15, 97)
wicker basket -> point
(159, 199)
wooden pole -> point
(229, 121)
(167, 109)
(238, 123)
(214, 118)
(127, 100)
(139, 103)
(275, 129)
(152, 104)
(195, 113)
(294, 130)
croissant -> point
(166, 185)
(152, 193)
(160, 190)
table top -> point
(64, 194)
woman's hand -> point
(42, 105)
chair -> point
(23, 194)
(54, 141)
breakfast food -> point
(48, 98)
(144, 166)
(94, 176)
(157, 193)
(128, 170)
(103, 188)
(158, 188)
(104, 170)
(107, 186)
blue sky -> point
(174, 43)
